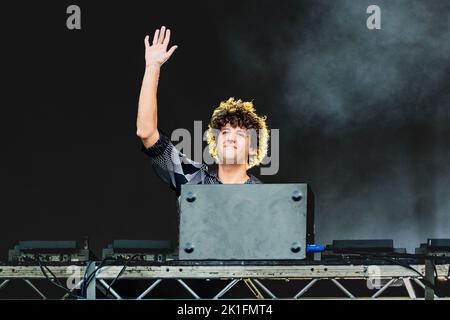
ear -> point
(252, 154)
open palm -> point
(157, 54)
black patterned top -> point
(176, 169)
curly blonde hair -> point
(242, 114)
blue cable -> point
(314, 248)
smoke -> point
(377, 104)
(344, 73)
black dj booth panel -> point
(258, 221)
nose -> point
(231, 138)
(229, 142)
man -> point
(230, 140)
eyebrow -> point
(228, 129)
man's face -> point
(233, 145)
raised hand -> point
(156, 54)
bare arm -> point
(155, 56)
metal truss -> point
(104, 279)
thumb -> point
(171, 51)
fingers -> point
(155, 37)
(172, 50)
(167, 38)
(161, 34)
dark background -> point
(363, 115)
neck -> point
(233, 173)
